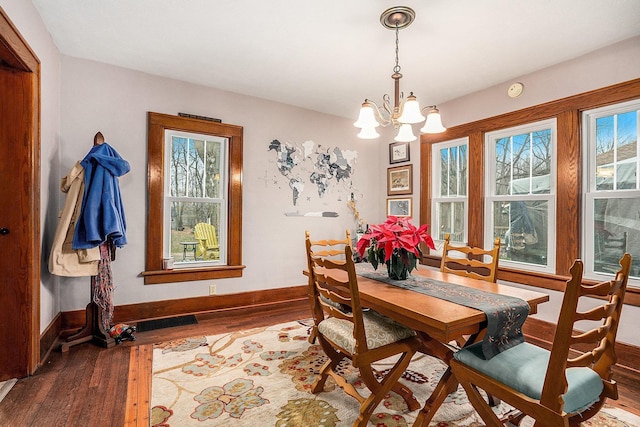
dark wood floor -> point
(87, 386)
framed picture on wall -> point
(398, 152)
(400, 180)
(399, 207)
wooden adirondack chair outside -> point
(208, 246)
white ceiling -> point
(328, 55)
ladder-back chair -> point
(345, 331)
(333, 249)
(470, 261)
(556, 388)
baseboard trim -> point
(132, 313)
(537, 331)
(48, 338)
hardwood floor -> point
(87, 386)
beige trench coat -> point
(63, 260)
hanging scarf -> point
(102, 285)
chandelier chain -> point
(396, 69)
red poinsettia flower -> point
(395, 237)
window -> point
(520, 203)
(574, 208)
(195, 199)
(450, 163)
(612, 188)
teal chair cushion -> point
(524, 367)
(380, 331)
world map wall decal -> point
(310, 164)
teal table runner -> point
(505, 314)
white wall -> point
(614, 64)
(115, 101)
(27, 20)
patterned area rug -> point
(262, 377)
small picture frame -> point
(400, 180)
(399, 207)
(399, 152)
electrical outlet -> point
(212, 289)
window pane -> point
(451, 220)
(616, 151)
(503, 166)
(184, 244)
(178, 166)
(626, 164)
(215, 151)
(604, 153)
(541, 162)
(195, 168)
(453, 171)
(523, 226)
(444, 172)
(195, 175)
(453, 167)
(616, 231)
(523, 163)
(462, 152)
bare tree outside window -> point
(450, 196)
(194, 193)
(522, 193)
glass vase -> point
(397, 269)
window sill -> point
(191, 274)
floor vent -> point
(150, 325)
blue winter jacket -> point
(102, 214)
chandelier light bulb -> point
(366, 118)
(368, 133)
(411, 111)
(433, 123)
(405, 134)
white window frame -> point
(550, 198)
(590, 194)
(222, 201)
(436, 197)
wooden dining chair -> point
(561, 387)
(333, 249)
(344, 330)
(470, 261)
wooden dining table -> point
(438, 322)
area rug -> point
(262, 377)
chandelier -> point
(404, 112)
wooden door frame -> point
(17, 54)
